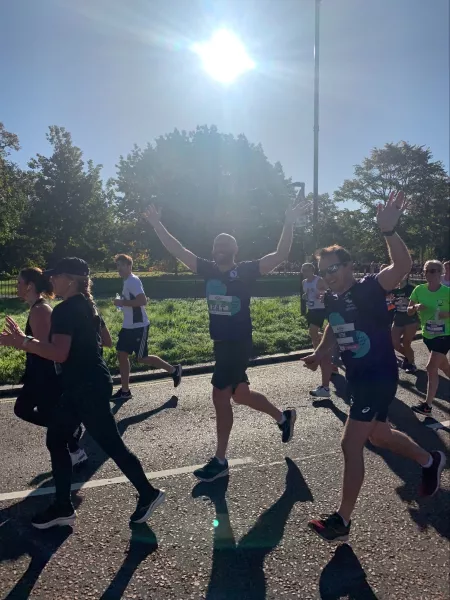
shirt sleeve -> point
(135, 287)
(61, 322)
(249, 270)
(414, 295)
(206, 268)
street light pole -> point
(316, 124)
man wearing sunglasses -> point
(431, 301)
(359, 322)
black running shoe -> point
(287, 427)
(121, 395)
(423, 409)
(54, 516)
(330, 528)
(212, 470)
(431, 476)
(177, 375)
(146, 505)
(411, 368)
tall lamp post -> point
(316, 125)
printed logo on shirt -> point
(348, 338)
(233, 274)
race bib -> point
(402, 305)
(435, 327)
(346, 336)
(223, 305)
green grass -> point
(179, 331)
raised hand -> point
(12, 335)
(295, 212)
(152, 215)
(388, 216)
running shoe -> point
(423, 409)
(334, 370)
(121, 395)
(54, 516)
(212, 470)
(287, 427)
(177, 375)
(321, 392)
(330, 528)
(78, 458)
(431, 476)
(410, 368)
(146, 505)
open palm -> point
(152, 215)
(388, 215)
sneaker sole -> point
(420, 412)
(80, 462)
(153, 506)
(439, 473)
(341, 538)
(291, 426)
(60, 522)
(319, 395)
(218, 476)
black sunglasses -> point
(432, 271)
(331, 269)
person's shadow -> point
(344, 577)
(19, 538)
(238, 567)
(143, 542)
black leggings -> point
(36, 402)
(90, 405)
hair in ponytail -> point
(84, 286)
(35, 276)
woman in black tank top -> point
(41, 389)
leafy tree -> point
(425, 183)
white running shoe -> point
(321, 392)
(78, 457)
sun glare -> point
(224, 57)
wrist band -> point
(27, 340)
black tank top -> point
(37, 368)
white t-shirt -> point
(133, 317)
(311, 292)
(445, 282)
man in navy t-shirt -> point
(359, 322)
(228, 293)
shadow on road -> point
(344, 577)
(238, 568)
(443, 391)
(143, 542)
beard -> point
(224, 258)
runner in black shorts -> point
(228, 295)
(76, 348)
(41, 389)
(359, 321)
(404, 327)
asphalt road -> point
(242, 539)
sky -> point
(115, 73)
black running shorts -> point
(133, 341)
(402, 320)
(439, 344)
(232, 360)
(316, 316)
(371, 398)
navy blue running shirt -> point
(361, 324)
(228, 296)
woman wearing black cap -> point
(41, 387)
(75, 348)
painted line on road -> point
(235, 462)
(438, 425)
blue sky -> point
(117, 72)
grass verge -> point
(179, 331)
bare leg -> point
(244, 395)
(445, 366)
(157, 363)
(356, 434)
(433, 376)
(124, 366)
(385, 437)
(314, 332)
(224, 419)
(326, 368)
(397, 334)
(408, 336)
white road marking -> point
(234, 462)
(437, 426)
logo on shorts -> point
(365, 410)
(233, 274)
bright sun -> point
(224, 57)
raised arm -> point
(171, 244)
(269, 262)
(401, 263)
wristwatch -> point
(27, 340)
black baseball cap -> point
(70, 266)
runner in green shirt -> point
(431, 301)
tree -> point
(70, 211)
(408, 167)
(206, 182)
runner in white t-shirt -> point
(445, 280)
(133, 337)
(313, 289)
